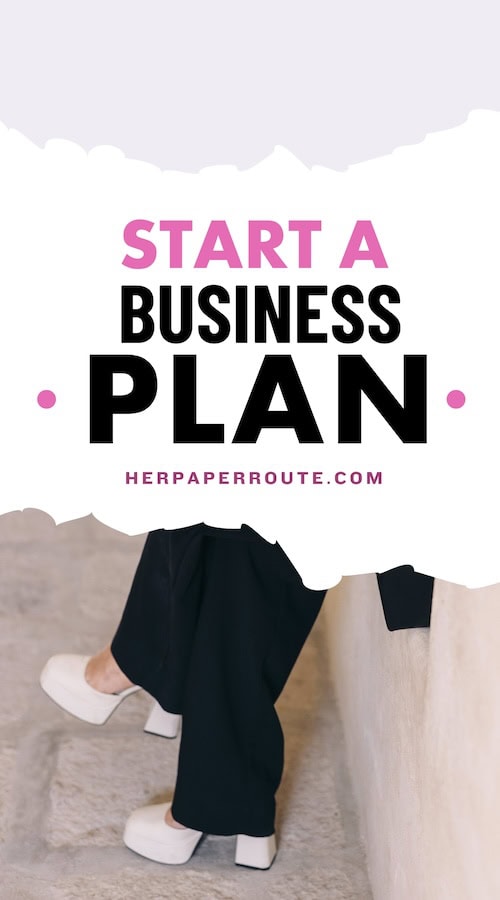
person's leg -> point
(152, 644)
(154, 636)
(213, 624)
(254, 617)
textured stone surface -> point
(114, 785)
(66, 787)
(7, 764)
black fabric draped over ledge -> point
(406, 598)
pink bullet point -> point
(455, 399)
(46, 399)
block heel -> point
(255, 852)
(162, 723)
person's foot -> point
(104, 674)
(169, 819)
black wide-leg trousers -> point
(212, 627)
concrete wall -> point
(421, 713)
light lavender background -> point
(193, 83)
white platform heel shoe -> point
(63, 680)
(147, 834)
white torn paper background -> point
(357, 506)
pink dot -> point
(46, 399)
(455, 399)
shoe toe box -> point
(63, 680)
(147, 833)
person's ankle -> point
(104, 674)
(169, 819)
